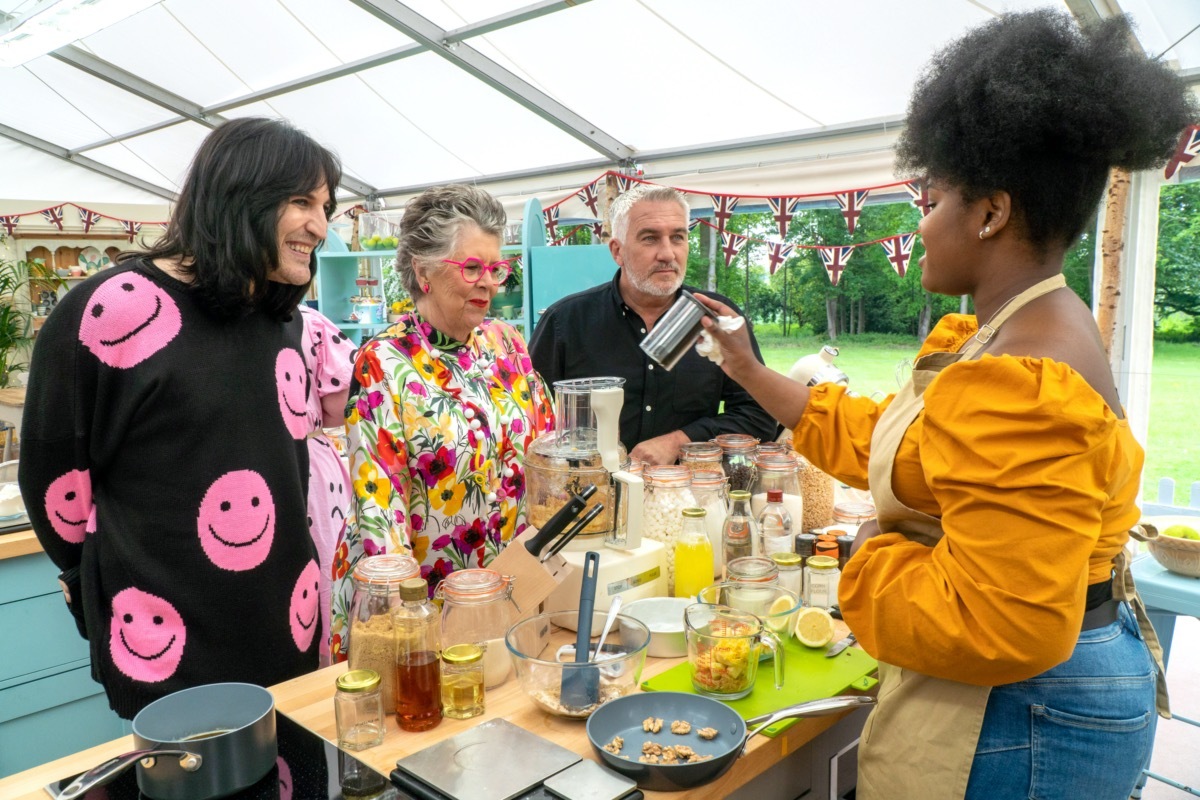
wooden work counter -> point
(18, 543)
(309, 701)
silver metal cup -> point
(678, 330)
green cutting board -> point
(807, 675)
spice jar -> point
(418, 668)
(821, 576)
(700, 455)
(710, 487)
(376, 593)
(737, 459)
(358, 709)
(778, 472)
(668, 492)
(463, 670)
(477, 608)
(753, 569)
(791, 571)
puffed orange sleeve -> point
(1023, 458)
(835, 432)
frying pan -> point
(623, 717)
(201, 743)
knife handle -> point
(554, 526)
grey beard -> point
(654, 288)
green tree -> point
(1177, 272)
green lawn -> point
(875, 364)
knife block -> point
(533, 580)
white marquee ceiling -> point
(527, 99)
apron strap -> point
(988, 329)
(1124, 590)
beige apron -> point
(919, 742)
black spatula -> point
(581, 684)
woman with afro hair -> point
(1016, 660)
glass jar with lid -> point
(821, 577)
(779, 472)
(737, 459)
(816, 487)
(358, 710)
(477, 608)
(753, 569)
(791, 571)
(700, 455)
(463, 681)
(850, 514)
(668, 492)
(376, 593)
(710, 487)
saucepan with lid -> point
(644, 725)
(201, 743)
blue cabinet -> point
(49, 705)
(337, 272)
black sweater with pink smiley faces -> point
(165, 475)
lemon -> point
(814, 627)
(1181, 532)
(778, 619)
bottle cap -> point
(739, 494)
(775, 496)
(414, 589)
(787, 559)
(695, 513)
(822, 562)
(462, 654)
(358, 680)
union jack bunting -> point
(1189, 148)
(353, 212)
(852, 203)
(164, 225)
(623, 183)
(778, 253)
(783, 209)
(597, 231)
(54, 216)
(10, 223)
(131, 228)
(920, 196)
(692, 223)
(899, 249)
(590, 198)
(731, 244)
(835, 259)
(551, 215)
(723, 206)
(88, 218)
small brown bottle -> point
(418, 687)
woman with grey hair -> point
(443, 403)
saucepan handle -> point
(107, 771)
(813, 708)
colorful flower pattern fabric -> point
(438, 431)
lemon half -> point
(778, 619)
(814, 627)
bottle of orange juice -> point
(693, 555)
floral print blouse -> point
(437, 437)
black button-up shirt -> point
(594, 334)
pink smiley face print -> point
(146, 636)
(302, 615)
(69, 505)
(291, 386)
(236, 523)
(285, 778)
(127, 320)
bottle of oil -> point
(740, 533)
(418, 670)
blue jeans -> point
(1082, 730)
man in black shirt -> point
(597, 333)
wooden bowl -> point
(1181, 556)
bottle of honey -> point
(417, 626)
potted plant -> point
(16, 312)
(507, 302)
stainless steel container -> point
(676, 331)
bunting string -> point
(55, 216)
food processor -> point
(585, 449)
